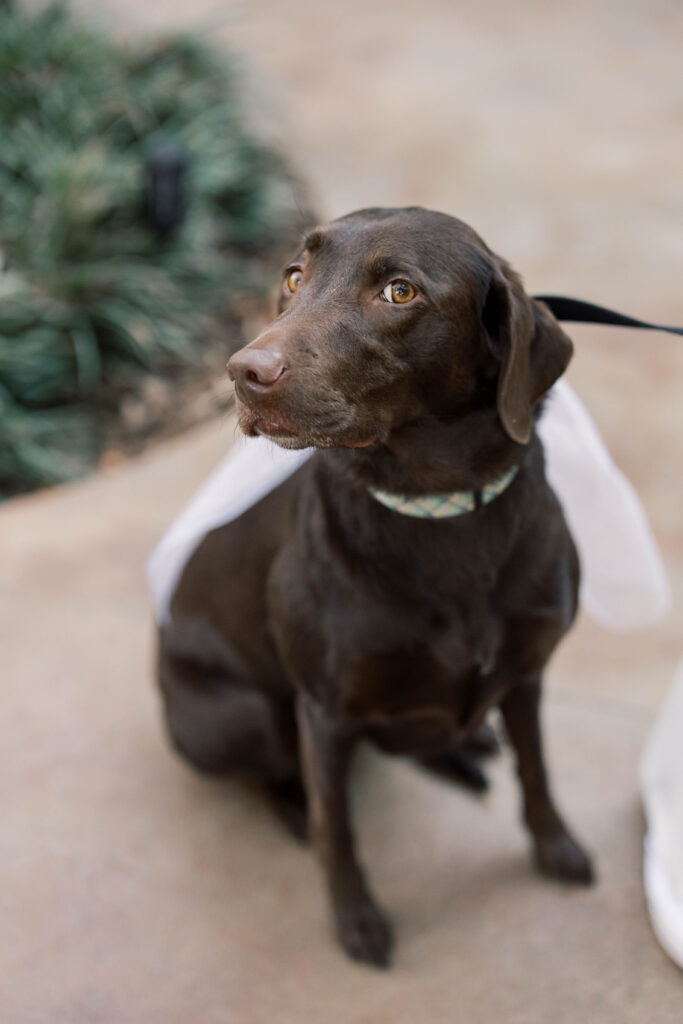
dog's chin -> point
(285, 436)
(294, 443)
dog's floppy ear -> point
(532, 348)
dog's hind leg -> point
(556, 851)
(223, 726)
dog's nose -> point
(257, 368)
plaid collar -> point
(444, 506)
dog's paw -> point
(365, 932)
(561, 857)
(459, 767)
(483, 742)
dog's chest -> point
(423, 686)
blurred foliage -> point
(92, 302)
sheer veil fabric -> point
(624, 582)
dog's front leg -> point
(363, 929)
(557, 853)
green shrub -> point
(93, 304)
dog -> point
(415, 573)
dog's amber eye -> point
(399, 291)
(294, 280)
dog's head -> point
(388, 317)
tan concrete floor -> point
(131, 890)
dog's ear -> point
(532, 348)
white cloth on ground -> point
(661, 778)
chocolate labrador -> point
(416, 572)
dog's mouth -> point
(282, 433)
(275, 429)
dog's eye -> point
(399, 291)
(294, 280)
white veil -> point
(624, 582)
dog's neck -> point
(435, 456)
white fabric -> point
(624, 583)
(661, 776)
(251, 469)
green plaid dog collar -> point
(443, 506)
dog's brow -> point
(381, 266)
(314, 240)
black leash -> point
(588, 313)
